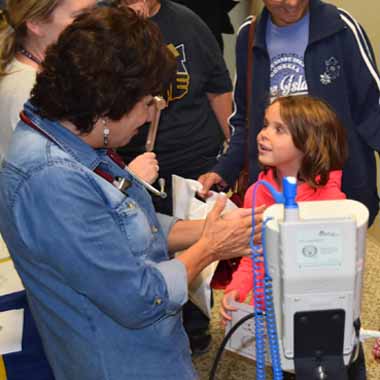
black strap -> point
(251, 40)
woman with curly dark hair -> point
(83, 234)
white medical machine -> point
(315, 255)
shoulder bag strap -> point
(242, 182)
(251, 39)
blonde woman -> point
(27, 28)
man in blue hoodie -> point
(300, 47)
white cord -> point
(368, 334)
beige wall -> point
(256, 6)
(367, 13)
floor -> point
(234, 367)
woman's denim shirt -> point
(94, 261)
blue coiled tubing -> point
(263, 298)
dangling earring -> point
(106, 132)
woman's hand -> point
(220, 238)
(226, 308)
(145, 166)
(227, 236)
(237, 214)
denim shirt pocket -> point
(135, 224)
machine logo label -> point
(323, 233)
(310, 250)
(319, 247)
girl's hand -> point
(208, 180)
(226, 308)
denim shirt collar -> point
(66, 140)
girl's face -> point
(275, 144)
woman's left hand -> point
(237, 213)
(145, 166)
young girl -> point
(302, 137)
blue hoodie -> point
(353, 94)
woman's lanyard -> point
(122, 184)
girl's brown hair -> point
(13, 25)
(317, 132)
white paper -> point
(11, 321)
(186, 206)
(3, 249)
(10, 281)
(11, 328)
(243, 340)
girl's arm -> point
(242, 279)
